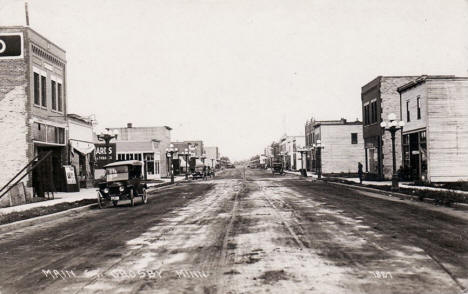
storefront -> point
(414, 155)
(145, 152)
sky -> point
(238, 74)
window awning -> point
(82, 147)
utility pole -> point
(27, 13)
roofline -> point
(380, 78)
(422, 79)
(31, 29)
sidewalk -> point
(63, 197)
(407, 185)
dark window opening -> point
(408, 118)
(354, 138)
(419, 108)
(44, 91)
(59, 97)
(53, 88)
(37, 98)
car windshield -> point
(117, 173)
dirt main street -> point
(260, 233)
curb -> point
(53, 216)
(456, 205)
(43, 218)
(388, 193)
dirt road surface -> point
(256, 233)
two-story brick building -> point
(379, 98)
(435, 136)
(33, 108)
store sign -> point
(70, 175)
(11, 45)
(104, 157)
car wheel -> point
(144, 197)
(132, 198)
(115, 202)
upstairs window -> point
(53, 89)
(354, 138)
(419, 107)
(59, 97)
(37, 95)
(408, 117)
(44, 91)
(366, 114)
(374, 112)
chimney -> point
(343, 120)
(129, 125)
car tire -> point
(132, 198)
(144, 196)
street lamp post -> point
(392, 125)
(106, 135)
(318, 155)
(302, 151)
(212, 163)
(170, 154)
(283, 159)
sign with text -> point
(104, 157)
(70, 175)
(11, 45)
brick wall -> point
(13, 117)
(390, 102)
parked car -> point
(124, 181)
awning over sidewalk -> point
(82, 147)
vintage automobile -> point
(277, 168)
(124, 181)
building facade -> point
(435, 136)
(379, 98)
(212, 155)
(288, 149)
(336, 146)
(33, 109)
(146, 144)
(81, 148)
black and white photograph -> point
(234, 146)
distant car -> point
(124, 181)
(197, 175)
(277, 168)
(230, 166)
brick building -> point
(33, 108)
(435, 136)
(379, 98)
